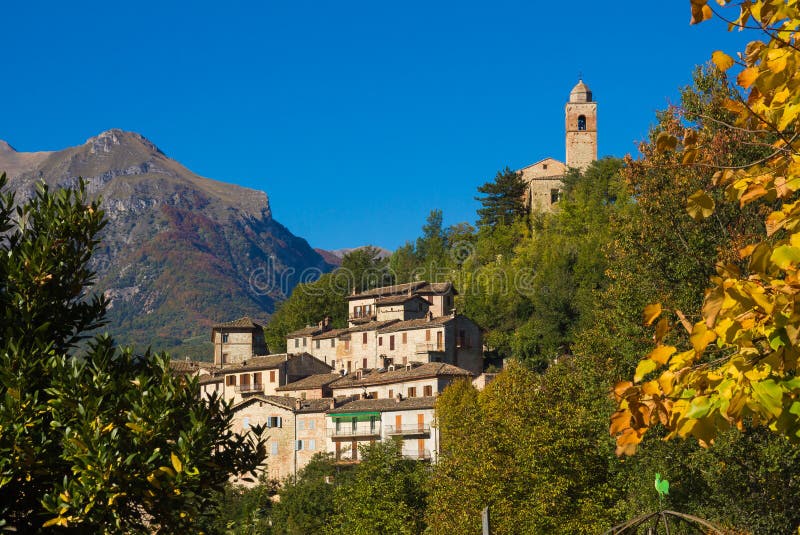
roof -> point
(372, 326)
(208, 378)
(241, 323)
(400, 374)
(580, 93)
(284, 402)
(333, 333)
(420, 287)
(312, 381)
(386, 405)
(311, 330)
(398, 299)
(190, 366)
(315, 405)
(259, 363)
(419, 323)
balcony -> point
(348, 431)
(246, 390)
(417, 455)
(427, 347)
(409, 430)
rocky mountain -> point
(335, 256)
(180, 252)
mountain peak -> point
(105, 141)
(5, 147)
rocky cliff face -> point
(180, 252)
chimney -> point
(332, 404)
(430, 316)
(298, 404)
(398, 398)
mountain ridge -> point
(180, 251)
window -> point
(462, 338)
(364, 364)
(224, 338)
(301, 425)
(347, 345)
(312, 444)
(364, 338)
(274, 449)
(405, 338)
(230, 380)
(272, 376)
(257, 379)
(244, 381)
(333, 342)
(368, 310)
(274, 421)
(391, 343)
(428, 391)
(349, 366)
(296, 342)
(380, 340)
(224, 358)
(581, 122)
(439, 344)
(317, 344)
(333, 363)
(357, 312)
(304, 341)
(391, 393)
(554, 196)
(412, 391)
(245, 423)
(427, 335)
(311, 424)
(544, 166)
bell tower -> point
(581, 117)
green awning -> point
(359, 416)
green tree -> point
(108, 441)
(385, 496)
(366, 268)
(503, 199)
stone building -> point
(400, 324)
(237, 340)
(544, 178)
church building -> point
(544, 178)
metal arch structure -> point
(659, 523)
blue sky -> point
(356, 118)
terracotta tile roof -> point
(386, 405)
(417, 371)
(314, 405)
(398, 299)
(310, 330)
(281, 401)
(420, 323)
(258, 363)
(420, 287)
(312, 381)
(371, 326)
(333, 333)
(241, 323)
(178, 366)
(208, 378)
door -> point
(439, 343)
(391, 343)
(398, 423)
(420, 422)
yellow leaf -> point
(722, 60)
(701, 336)
(747, 77)
(700, 11)
(699, 205)
(644, 367)
(176, 462)
(651, 312)
(620, 421)
(661, 354)
(776, 60)
(665, 142)
(662, 327)
(58, 521)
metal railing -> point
(424, 455)
(348, 431)
(429, 347)
(410, 429)
(250, 389)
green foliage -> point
(503, 200)
(104, 442)
(385, 497)
(366, 269)
(527, 447)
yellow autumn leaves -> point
(741, 366)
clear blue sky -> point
(356, 118)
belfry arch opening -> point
(581, 122)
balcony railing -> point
(408, 430)
(429, 348)
(250, 389)
(348, 431)
(423, 455)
